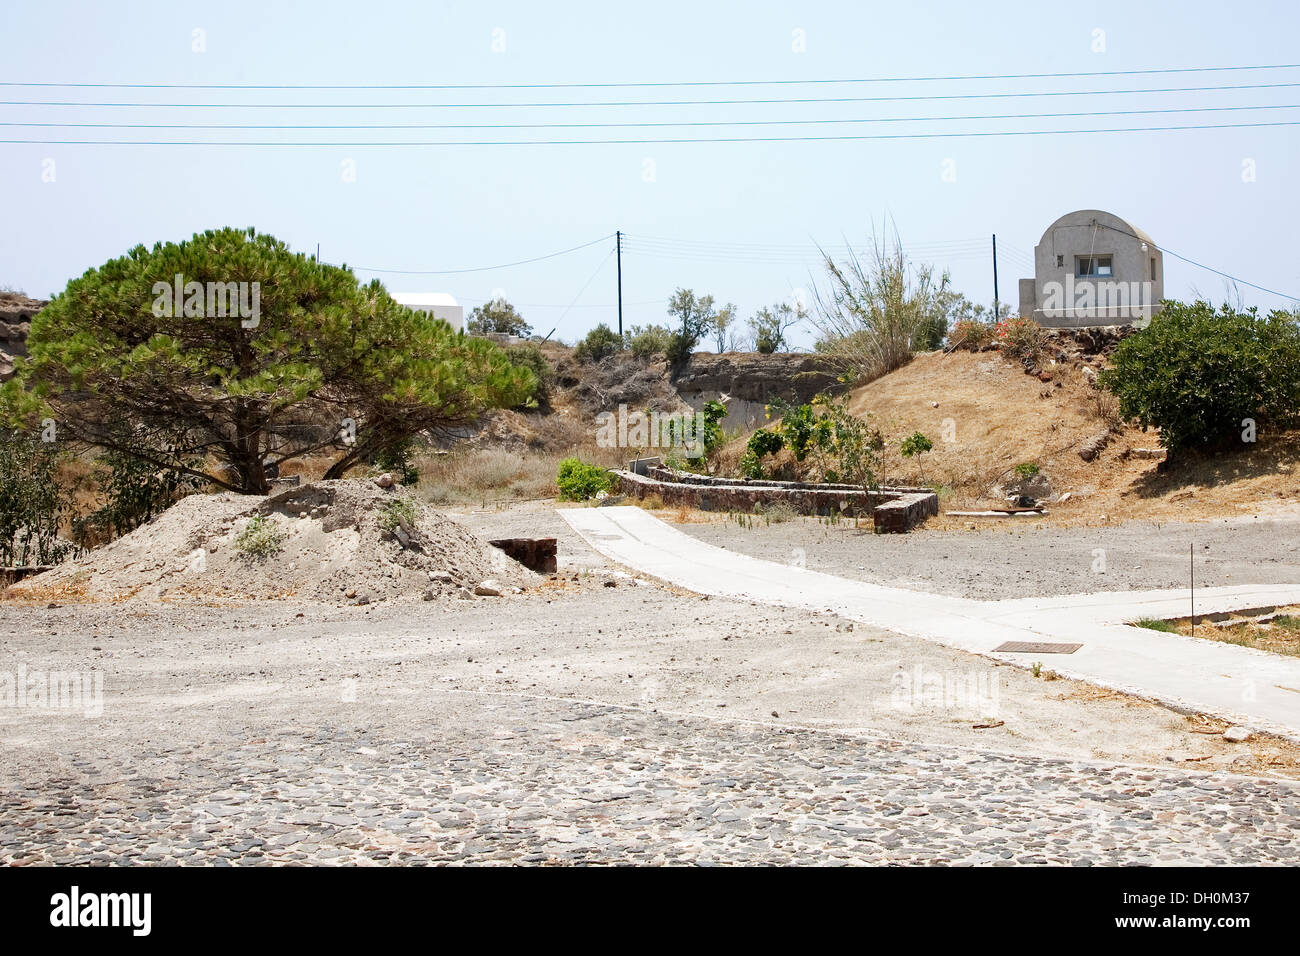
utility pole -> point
(618, 240)
(995, 277)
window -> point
(1060, 262)
(1153, 268)
(1093, 266)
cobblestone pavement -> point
(499, 778)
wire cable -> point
(504, 265)
(664, 83)
(627, 103)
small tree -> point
(32, 502)
(498, 316)
(721, 328)
(1209, 379)
(914, 446)
(696, 316)
(770, 325)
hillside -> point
(999, 417)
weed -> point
(260, 538)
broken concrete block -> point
(1237, 734)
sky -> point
(739, 220)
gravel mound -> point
(342, 542)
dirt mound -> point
(985, 415)
(343, 542)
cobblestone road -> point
(501, 779)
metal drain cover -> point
(1036, 647)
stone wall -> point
(893, 510)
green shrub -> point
(32, 502)
(915, 444)
(579, 481)
(134, 491)
(1197, 375)
(398, 512)
(600, 343)
(645, 342)
(398, 461)
(260, 538)
(1027, 469)
(529, 356)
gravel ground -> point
(1024, 560)
(597, 719)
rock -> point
(488, 588)
(350, 593)
(385, 480)
(430, 594)
(403, 538)
(1091, 448)
(1237, 734)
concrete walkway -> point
(1255, 688)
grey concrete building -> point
(1093, 268)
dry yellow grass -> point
(999, 417)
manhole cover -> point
(1036, 647)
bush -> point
(1027, 469)
(970, 334)
(600, 343)
(397, 460)
(649, 341)
(260, 538)
(398, 513)
(32, 502)
(134, 491)
(529, 356)
(579, 481)
(915, 444)
(1198, 375)
(1019, 338)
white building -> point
(438, 304)
(1093, 268)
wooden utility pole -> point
(618, 244)
(995, 277)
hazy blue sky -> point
(454, 207)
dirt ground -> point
(595, 632)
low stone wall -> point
(893, 510)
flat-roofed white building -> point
(438, 304)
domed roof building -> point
(1093, 268)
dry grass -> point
(1281, 635)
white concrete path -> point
(1251, 687)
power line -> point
(504, 265)
(687, 123)
(1201, 265)
(984, 134)
(649, 84)
(626, 103)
